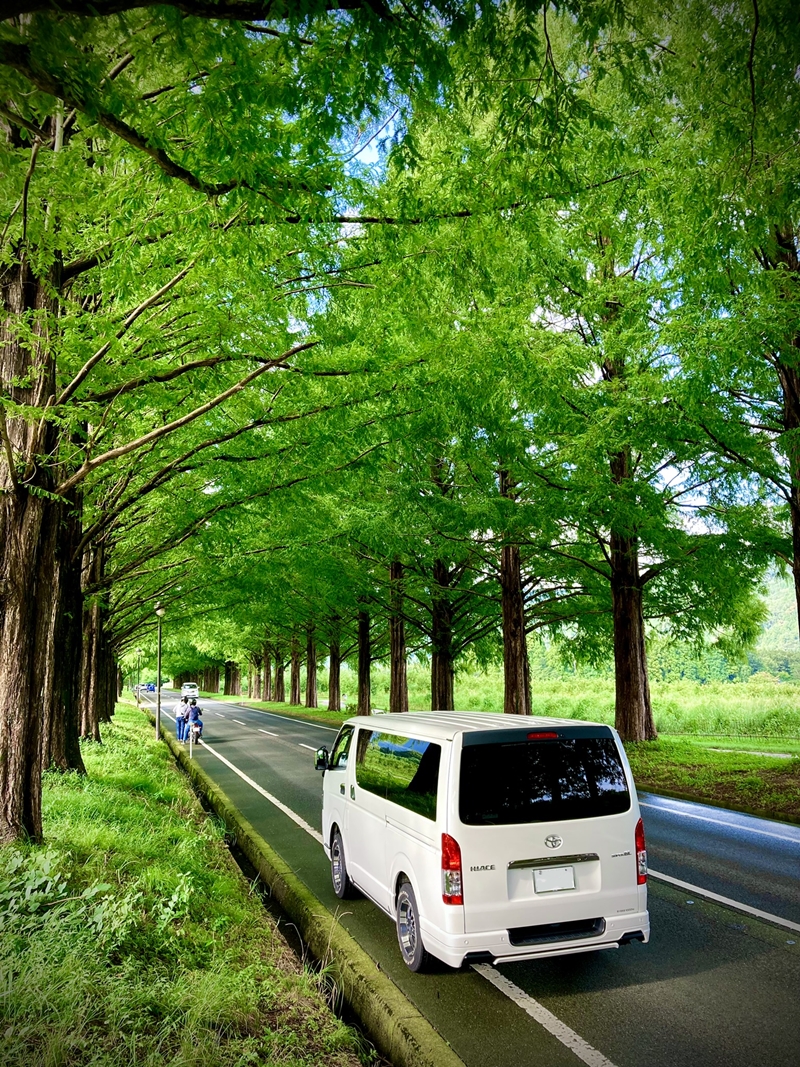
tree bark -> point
(280, 679)
(634, 713)
(334, 673)
(294, 677)
(29, 535)
(233, 682)
(267, 654)
(398, 674)
(789, 377)
(60, 729)
(311, 668)
(255, 677)
(364, 706)
(516, 668)
(442, 670)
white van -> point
(487, 838)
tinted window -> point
(338, 757)
(401, 769)
(542, 781)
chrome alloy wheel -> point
(407, 928)
(337, 865)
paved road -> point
(715, 987)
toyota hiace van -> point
(487, 837)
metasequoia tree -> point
(110, 168)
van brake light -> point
(543, 735)
(452, 891)
(641, 854)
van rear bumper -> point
(495, 946)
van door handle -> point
(352, 792)
(341, 788)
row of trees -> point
(530, 365)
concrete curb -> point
(397, 1028)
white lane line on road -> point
(700, 892)
(239, 721)
(268, 796)
(302, 722)
(582, 1049)
(719, 822)
(310, 747)
(269, 732)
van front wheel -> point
(409, 935)
(342, 886)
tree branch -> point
(126, 325)
(161, 431)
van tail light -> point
(452, 886)
(641, 855)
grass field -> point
(695, 722)
(131, 937)
(760, 706)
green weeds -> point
(131, 937)
(740, 779)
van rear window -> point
(541, 781)
(401, 769)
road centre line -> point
(239, 721)
(268, 796)
(582, 1049)
(311, 747)
(719, 822)
(717, 898)
(302, 722)
(269, 732)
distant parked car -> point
(150, 687)
(189, 689)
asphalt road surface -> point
(717, 986)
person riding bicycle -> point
(195, 717)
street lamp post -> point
(159, 614)
(138, 676)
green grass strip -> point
(131, 937)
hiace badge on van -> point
(487, 837)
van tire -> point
(342, 886)
(409, 935)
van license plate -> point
(553, 879)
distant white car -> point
(189, 689)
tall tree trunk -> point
(334, 670)
(280, 679)
(516, 669)
(268, 694)
(364, 706)
(789, 377)
(233, 683)
(91, 664)
(60, 730)
(294, 677)
(398, 675)
(255, 677)
(634, 713)
(442, 670)
(311, 668)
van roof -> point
(445, 724)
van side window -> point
(338, 757)
(403, 770)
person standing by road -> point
(181, 711)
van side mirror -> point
(321, 759)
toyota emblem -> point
(553, 841)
